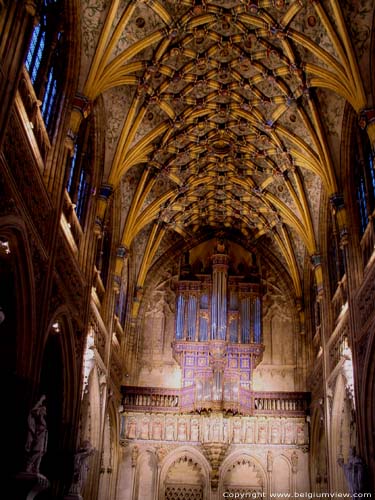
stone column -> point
(134, 460)
(269, 470)
(294, 461)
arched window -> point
(364, 178)
(44, 59)
(335, 256)
(80, 171)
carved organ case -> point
(218, 334)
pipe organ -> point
(218, 335)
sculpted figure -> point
(37, 436)
(262, 434)
(215, 429)
(237, 432)
(81, 467)
(249, 433)
(275, 434)
(354, 471)
(289, 434)
(194, 430)
(132, 429)
(169, 432)
(181, 436)
(301, 434)
(145, 429)
(225, 431)
(157, 430)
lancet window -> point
(44, 60)
(364, 177)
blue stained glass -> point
(49, 98)
(372, 172)
(81, 196)
(361, 198)
(35, 53)
(72, 169)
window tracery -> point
(44, 60)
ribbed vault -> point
(213, 118)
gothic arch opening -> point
(184, 480)
(244, 474)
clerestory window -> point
(44, 60)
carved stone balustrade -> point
(70, 224)
(280, 403)
(153, 399)
(150, 399)
(32, 109)
(340, 299)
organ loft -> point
(215, 406)
(187, 249)
(218, 339)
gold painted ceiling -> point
(223, 115)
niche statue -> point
(354, 471)
(37, 436)
(81, 468)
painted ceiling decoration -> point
(212, 111)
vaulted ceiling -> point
(223, 115)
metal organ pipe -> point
(219, 297)
(192, 317)
(180, 318)
(258, 322)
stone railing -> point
(71, 224)
(337, 345)
(154, 399)
(340, 298)
(34, 115)
(150, 399)
(280, 403)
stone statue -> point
(132, 429)
(169, 433)
(237, 432)
(81, 468)
(157, 430)
(225, 431)
(194, 433)
(354, 472)
(181, 430)
(37, 436)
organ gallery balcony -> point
(160, 400)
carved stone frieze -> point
(215, 428)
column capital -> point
(316, 260)
(337, 202)
(122, 252)
(81, 108)
(105, 192)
